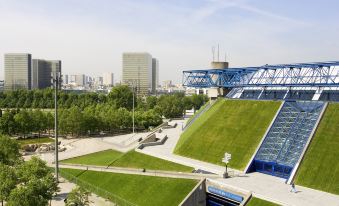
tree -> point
(78, 197)
(9, 151)
(121, 96)
(39, 120)
(24, 122)
(7, 123)
(37, 184)
(198, 100)
(171, 106)
(8, 181)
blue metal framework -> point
(290, 75)
(287, 138)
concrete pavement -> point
(133, 171)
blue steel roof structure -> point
(280, 75)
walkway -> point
(133, 171)
(66, 187)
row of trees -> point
(25, 121)
(24, 183)
(120, 96)
(90, 113)
(75, 121)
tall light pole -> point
(132, 82)
(56, 78)
(133, 107)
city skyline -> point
(183, 33)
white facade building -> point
(108, 79)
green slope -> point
(103, 158)
(138, 189)
(233, 126)
(131, 159)
(320, 167)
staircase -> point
(287, 138)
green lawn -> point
(198, 111)
(103, 158)
(320, 168)
(259, 202)
(23, 142)
(233, 126)
(131, 159)
(138, 189)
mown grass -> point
(233, 126)
(138, 189)
(131, 159)
(41, 140)
(320, 167)
(259, 202)
(103, 158)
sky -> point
(89, 36)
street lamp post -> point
(56, 78)
(132, 82)
(225, 160)
(133, 108)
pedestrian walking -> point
(293, 188)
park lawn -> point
(233, 126)
(320, 167)
(259, 202)
(131, 159)
(41, 140)
(138, 189)
(135, 159)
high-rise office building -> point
(43, 71)
(108, 79)
(18, 71)
(155, 75)
(137, 70)
(55, 66)
(41, 74)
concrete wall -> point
(197, 196)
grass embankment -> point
(198, 111)
(320, 167)
(259, 202)
(138, 189)
(41, 140)
(131, 159)
(233, 126)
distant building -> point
(65, 79)
(43, 71)
(98, 80)
(155, 75)
(167, 84)
(108, 79)
(55, 66)
(18, 71)
(80, 80)
(137, 68)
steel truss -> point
(319, 74)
